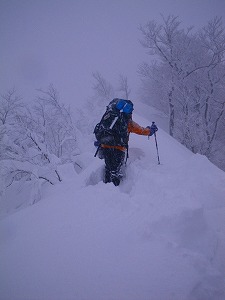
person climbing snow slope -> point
(112, 134)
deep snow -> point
(160, 235)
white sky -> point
(64, 41)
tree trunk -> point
(171, 112)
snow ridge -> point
(159, 235)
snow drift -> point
(160, 235)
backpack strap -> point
(113, 122)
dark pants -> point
(114, 159)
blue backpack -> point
(113, 128)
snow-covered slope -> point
(160, 235)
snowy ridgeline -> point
(160, 235)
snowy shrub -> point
(35, 141)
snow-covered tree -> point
(55, 125)
(37, 140)
(103, 89)
(124, 87)
(94, 107)
(10, 105)
(189, 77)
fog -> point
(64, 42)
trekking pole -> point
(156, 144)
(97, 150)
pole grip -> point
(156, 144)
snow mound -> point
(159, 235)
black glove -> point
(96, 144)
(153, 129)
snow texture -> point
(160, 235)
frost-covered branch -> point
(188, 79)
(124, 87)
(35, 141)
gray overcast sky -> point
(64, 41)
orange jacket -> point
(134, 128)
